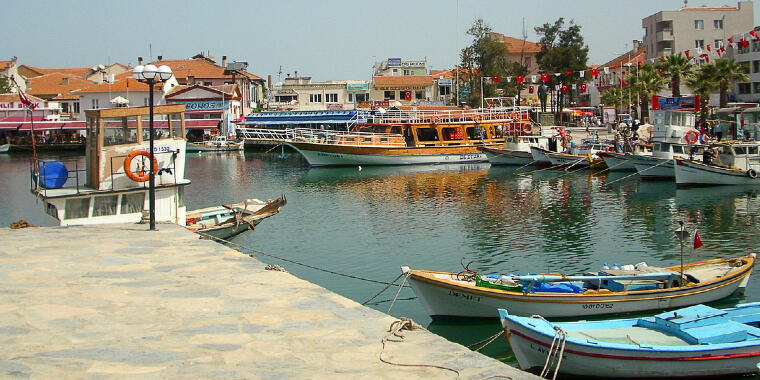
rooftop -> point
(515, 45)
(401, 80)
(201, 68)
(56, 84)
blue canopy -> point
(304, 117)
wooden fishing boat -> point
(226, 221)
(516, 149)
(407, 137)
(621, 162)
(740, 163)
(583, 156)
(467, 294)
(216, 144)
(673, 136)
(697, 341)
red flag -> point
(697, 240)
(568, 72)
(544, 77)
(709, 48)
(594, 72)
(495, 79)
(25, 101)
(520, 78)
(583, 87)
(407, 95)
(530, 89)
(564, 89)
(705, 57)
(687, 53)
(744, 42)
(754, 34)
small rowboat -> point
(467, 294)
(5, 148)
(226, 221)
(697, 341)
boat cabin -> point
(740, 155)
(113, 185)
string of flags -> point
(704, 54)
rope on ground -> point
(638, 172)
(21, 224)
(394, 335)
(252, 253)
(485, 342)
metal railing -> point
(42, 180)
(347, 138)
(448, 116)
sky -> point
(326, 40)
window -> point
(395, 71)
(418, 95)
(331, 98)
(699, 24)
(755, 66)
(717, 44)
(699, 43)
(132, 202)
(389, 95)
(105, 205)
(407, 72)
(76, 208)
(65, 107)
(95, 104)
(363, 97)
(444, 90)
(718, 24)
(756, 87)
(743, 50)
(350, 97)
(315, 98)
(452, 133)
(744, 88)
(756, 45)
(145, 101)
(76, 107)
(427, 134)
(207, 83)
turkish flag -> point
(544, 77)
(568, 72)
(520, 78)
(407, 95)
(744, 42)
(583, 87)
(530, 89)
(594, 72)
(697, 240)
(495, 79)
(754, 34)
(25, 101)
(687, 53)
(564, 89)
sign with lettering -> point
(205, 105)
(413, 64)
(357, 86)
(394, 62)
(334, 106)
(683, 103)
(18, 105)
(445, 82)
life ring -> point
(751, 173)
(435, 120)
(691, 136)
(144, 174)
(477, 119)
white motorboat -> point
(516, 149)
(216, 144)
(737, 163)
(673, 136)
(5, 148)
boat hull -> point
(450, 298)
(235, 147)
(654, 168)
(5, 148)
(562, 159)
(617, 162)
(507, 156)
(531, 348)
(694, 173)
(320, 155)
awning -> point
(301, 118)
(44, 126)
(201, 123)
(119, 100)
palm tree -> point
(646, 82)
(702, 82)
(615, 97)
(727, 71)
(676, 67)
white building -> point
(9, 69)
(125, 91)
(301, 94)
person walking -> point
(718, 130)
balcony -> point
(664, 35)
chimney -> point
(636, 44)
(269, 81)
(139, 61)
(160, 57)
(224, 61)
(190, 80)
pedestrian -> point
(718, 131)
(708, 156)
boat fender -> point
(691, 137)
(751, 173)
(143, 174)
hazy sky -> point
(328, 39)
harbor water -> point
(369, 222)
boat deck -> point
(629, 335)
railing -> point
(171, 169)
(347, 138)
(47, 168)
(264, 133)
(448, 116)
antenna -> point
(150, 51)
(685, 3)
(279, 74)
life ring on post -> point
(477, 119)
(144, 173)
(691, 136)
(751, 173)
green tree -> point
(727, 71)
(562, 50)
(702, 82)
(676, 67)
(617, 97)
(646, 82)
(5, 85)
(483, 58)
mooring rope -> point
(557, 349)
(485, 342)
(637, 172)
(273, 148)
(399, 291)
(254, 252)
(384, 289)
(395, 336)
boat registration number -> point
(466, 296)
(467, 157)
(597, 306)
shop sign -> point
(445, 82)
(394, 62)
(684, 103)
(413, 64)
(357, 86)
(205, 105)
(334, 106)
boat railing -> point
(322, 136)
(265, 133)
(484, 115)
(46, 175)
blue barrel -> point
(53, 174)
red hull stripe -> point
(619, 357)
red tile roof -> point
(515, 45)
(633, 56)
(13, 97)
(4, 65)
(200, 68)
(76, 71)
(124, 82)
(56, 84)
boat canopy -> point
(304, 117)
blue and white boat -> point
(697, 341)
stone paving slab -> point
(118, 301)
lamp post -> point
(150, 75)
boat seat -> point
(724, 332)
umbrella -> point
(119, 100)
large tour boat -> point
(674, 136)
(406, 137)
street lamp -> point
(150, 75)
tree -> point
(562, 50)
(483, 58)
(702, 82)
(727, 71)
(676, 67)
(617, 97)
(646, 82)
(5, 85)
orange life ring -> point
(143, 174)
(435, 119)
(477, 119)
(691, 136)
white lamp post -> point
(151, 75)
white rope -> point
(556, 350)
(399, 291)
(638, 172)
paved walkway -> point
(121, 302)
